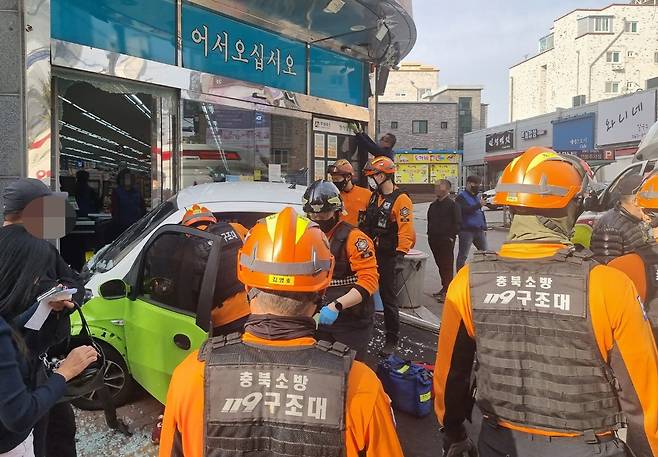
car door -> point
(169, 314)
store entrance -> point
(110, 154)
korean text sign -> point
(500, 141)
(627, 119)
(216, 44)
(574, 134)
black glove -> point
(460, 449)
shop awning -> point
(502, 157)
(380, 31)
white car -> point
(243, 202)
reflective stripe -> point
(649, 194)
(310, 268)
(302, 224)
(539, 189)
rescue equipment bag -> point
(408, 384)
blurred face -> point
(473, 187)
(127, 182)
(386, 142)
(442, 190)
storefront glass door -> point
(224, 142)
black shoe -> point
(388, 349)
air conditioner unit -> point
(618, 67)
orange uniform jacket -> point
(403, 214)
(623, 337)
(369, 420)
(361, 255)
(355, 202)
(633, 265)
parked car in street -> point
(136, 315)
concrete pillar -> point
(12, 125)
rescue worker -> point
(231, 305)
(276, 391)
(565, 355)
(642, 264)
(355, 198)
(389, 222)
(348, 312)
(621, 229)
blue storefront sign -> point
(212, 43)
(337, 77)
(144, 28)
(575, 134)
(216, 44)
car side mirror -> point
(114, 289)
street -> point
(419, 437)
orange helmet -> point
(647, 196)
(196, 214)
(541, 178)
(286, 252)
(381, 164)
(341, 167)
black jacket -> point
(617, 233)
(366, 143)
(443, 219)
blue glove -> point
(327, 315)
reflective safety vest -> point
(283, 401)
(649, 256)
(378, 224)
(344, 279)
(538, 364)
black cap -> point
(21, 193)
(629, 184)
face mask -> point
(327, 225)
(341, 184)
(372, 183)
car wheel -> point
(117, 379)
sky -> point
(476, 42)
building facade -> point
(430, 134)
(411, 82)
(188, 92)
(607, 133)
(589, 55)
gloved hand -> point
(460, 449)
(327, 315)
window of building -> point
(465, 120)
(400, 94)
(631, 26)
(655, 57)
(444, 125)
(578, 100)
(594, 24)
(611, 87)
(602, 24)
(630, 85)
(612, 57)
(379, 126)
(546, 43)
(418, 126)
(394, 125)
